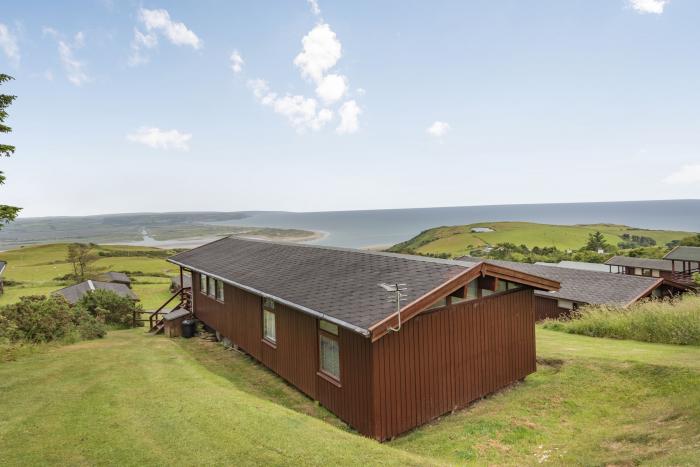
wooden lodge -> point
(331, 322)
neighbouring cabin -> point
(640, 266)
(685, 264)
(580, 287)
(117, 278)
(74, 293)
(326, 320)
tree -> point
(7, 213)
(596, 241)
(82, 258)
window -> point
(269, 330)
(329, 327)
(438, 304)
(566, 304)
(203, 283)
(473, 290)
(219, 290)
(211, 286)
(501, 285)
(329, 355)
(646, 272)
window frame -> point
(211, 291)
(268, 306)
(330, 377)
(203, 284)
(219, 287)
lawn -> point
(135, 399)
(36, 269)
(458, 240)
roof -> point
(73, 293)
(113, 276)
(591, 287)
(646, 263)
(577, 265)
(687, 253)
(337, 284)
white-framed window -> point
(329, 355)
(473, 289)
(566, 304)
(328, 327)
(203, 283)
(211, 286)
(219, 290)
(269, 327)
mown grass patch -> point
(674, 321)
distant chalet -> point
(323, 319)
(117, 277)
(75, 292)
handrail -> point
(154, 315)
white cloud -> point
(438, 129)
(349, 113)
(74, 68)
(321, 51)
(301, 111)
(176, 33)
(161, 139)
(8, 44)
(158, 22)
(687, 174)
(649, 6)
(315, 9)
(237, 62)
(332, 88)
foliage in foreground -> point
(674, 321)
(110, 308)
(38, 319)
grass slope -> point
(456, 240)
(36, 268)
(135, 399)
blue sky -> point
(217, 105)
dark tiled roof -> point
(646, 263)
(687, 253)
(73, 293)
(117, 277)
(592, 287)
(341, 284)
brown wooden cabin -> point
(648, 267)
(318, 317)
(580, 287)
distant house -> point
(331, 323)
(73, 293)
(640, 266)
(117, 278)
(685, 262)
(3, 265)
(583, 287)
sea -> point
(380, 228)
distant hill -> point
(129, 228)
(462, 239)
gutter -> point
(296, 306)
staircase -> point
(156, 321)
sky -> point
(133, 106)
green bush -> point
(674, 321)
(111, 308)
(37, 319)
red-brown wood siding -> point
(447, 358)
(548, 308)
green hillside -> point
(460, 240)
(35, 270)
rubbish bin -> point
(188, 328)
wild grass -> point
(674, 321)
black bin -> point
(188, 328)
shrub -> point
(111, 308)
(675, 321)
(39, 319)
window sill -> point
(269, 343)
(329, 378)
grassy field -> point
(593, 401)
(459, 240)
(36, 268)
